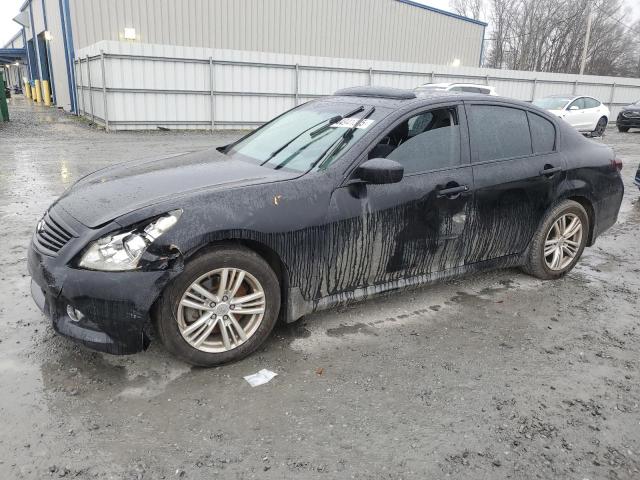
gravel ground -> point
(490, 376)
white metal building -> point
(377, 30)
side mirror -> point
(378, 171)
(574, 107)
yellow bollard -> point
(27, 90)
(38, 91)
(46, 92)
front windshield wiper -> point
(343, 139)
(329, 122)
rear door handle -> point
(453, 192)
(550, 171)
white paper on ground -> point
(260, 378)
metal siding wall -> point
(253, 87)
(56, 48)
(367, 29)
(38, 19)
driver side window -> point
(578, 102)
(424, 142)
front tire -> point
(220, 309)
(559, 241)
(623, 129)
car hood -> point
(114, 191)
(557, 113)
(631, 108)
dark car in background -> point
(340, 199)
(629, 117)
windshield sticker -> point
(350, 122)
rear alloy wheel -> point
(221, 308)
(562, 242)
(559, 241)
(601, 126)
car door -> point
(592, 112)
(576, 114)
(516, 171)
(417, 226)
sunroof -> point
(378, 92)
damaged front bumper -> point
(105, 311)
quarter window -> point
(498, 132)
(427, 141)
(543, 134)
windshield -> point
(552, 103)
(300, 138)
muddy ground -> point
(493, 376)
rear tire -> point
(601, 126)
(623, 129)
(234, 320)
(559, 242)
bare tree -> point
(549, 35)
(468, 8)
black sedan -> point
(629, 117)
(334, 201)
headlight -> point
(122, 251)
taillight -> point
(616, 164)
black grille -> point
(51, 234)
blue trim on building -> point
(484, 30)
(443, 12)
(69, 54)
(34, 39)
(48, 49)
(26, 45)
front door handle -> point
(453, 192)
(549, 171)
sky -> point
(8, 28)
(10, 8)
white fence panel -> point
(150, 86)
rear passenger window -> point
(498, 132)
(543, 134)
(591, 102)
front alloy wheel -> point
(221, 308)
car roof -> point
(395, 98)
(570, 96)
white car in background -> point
(456, 87)
(586, 114)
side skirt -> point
(297, 306)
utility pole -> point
(586, 41)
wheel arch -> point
(267, 253)
(588, 206)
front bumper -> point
(631, 122)
(115, 305)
